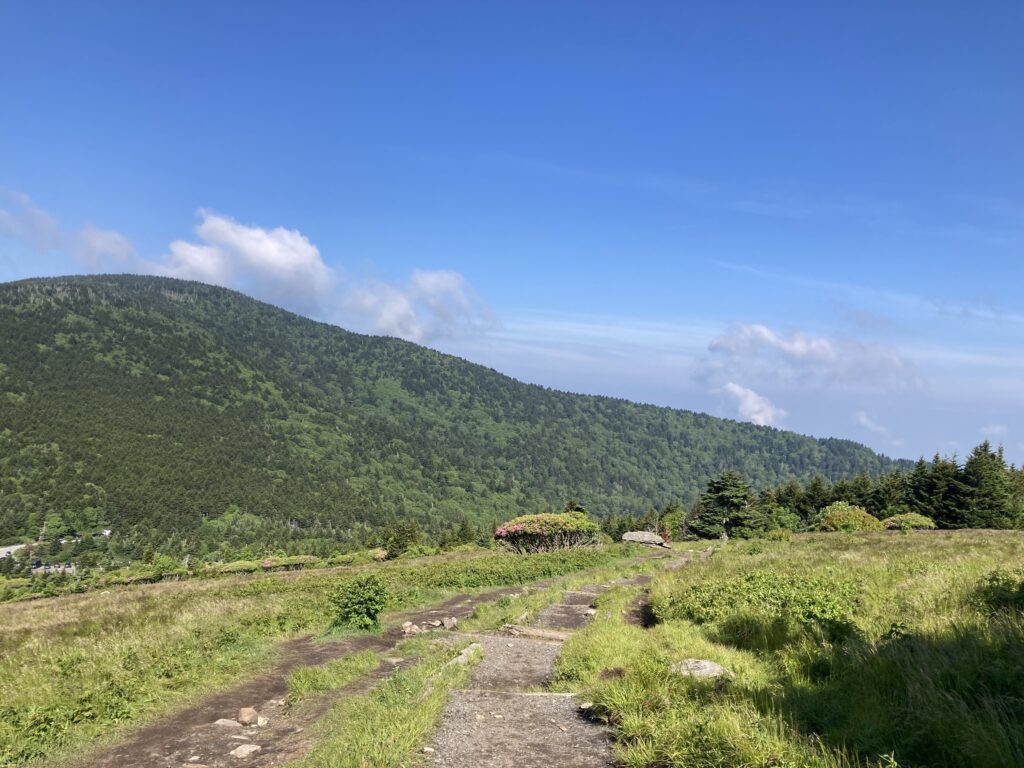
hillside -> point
(187, 415)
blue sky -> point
(809, 215)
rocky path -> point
(210, 734)
(504, 719)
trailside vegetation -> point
(848, 651)
(549, 532)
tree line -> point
(984, 491)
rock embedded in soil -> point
(245, 750)
(644, 537)
(226, 723)
(247, 716)
(702, 669)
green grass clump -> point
(306, 681)
(932, 675)
(387, 727)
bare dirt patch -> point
(514, 663)
(515, 730)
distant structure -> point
(9, 551)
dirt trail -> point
(191, 736)
(501, 721)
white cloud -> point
(864, 420)
(995, 430)
(95, 244)
(803, 360)
(432, 304)
(753, 407)
(22, 220)
(280, 265)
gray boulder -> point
(702, 669)
(643, 537)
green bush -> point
(1001, 589)
(548, 532)
(909, 521)
(359, 602)
(842, 516)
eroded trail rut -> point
(191, 736)
(503, 720)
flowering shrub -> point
(909, 521)
(547, 532)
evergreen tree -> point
(727, 508)
(987, 479)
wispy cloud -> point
(24, 221)
(753, 407)
(799, 359)
(432, 304)
(868, 422)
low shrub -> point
(548, 532)
(909, 521)
(761, 604)
(1001, 589)
(358, 603)
(842, 516)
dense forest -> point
(195, 420)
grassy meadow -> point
(83, 667)
(883, 649)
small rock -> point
(434, 623)
(406, 624)
(238, 737)
(702, 669)
(586, 706)
(247, 716)
(194, 759)
(394, 659)
(450, 623)
(522, 617)
(428, 750)
(262, 721)
(245, 750)
(228, 723)
(590, 612)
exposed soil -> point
(499, 723)
(514, 730)
(514, 663)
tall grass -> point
(865, 649)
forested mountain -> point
(187, 415)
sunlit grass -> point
(926, 678)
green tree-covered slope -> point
(184, 413)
